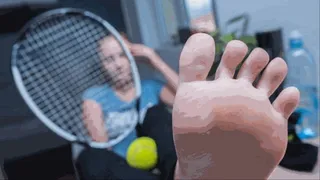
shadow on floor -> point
(50, 164)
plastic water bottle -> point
(302, 73)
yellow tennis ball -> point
(142, 153)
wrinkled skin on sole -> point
(227, 128)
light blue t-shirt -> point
(103, 95)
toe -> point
(234, 53)
(287, 101)
(196, 58)
(273, 76)
(256, 62)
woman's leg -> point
(102, 164)
(158, 125)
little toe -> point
(287, 101)
(233, 55)
(253, 65)
(273, 76)
(196, 58)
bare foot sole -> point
(230, 113)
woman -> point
(120, 90)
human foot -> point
(227, 128)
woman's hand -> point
(141, 50)
(152, 58)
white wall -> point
(302, 15)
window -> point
(196, 15)
(167, 22)
(170, 17)
(201, 15)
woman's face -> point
(115, 61)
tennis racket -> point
(56, 59)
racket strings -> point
(38, 78)
(59, 60)
(64, 54)
(125, 83)
(49, 98)
(60, 67)
(54, 29)
(57, 44)
(53, 95)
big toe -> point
(196, 58)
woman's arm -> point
(168, 92)
(167, 96)
(170, 75)
(93, 119)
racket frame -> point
(32, 105)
